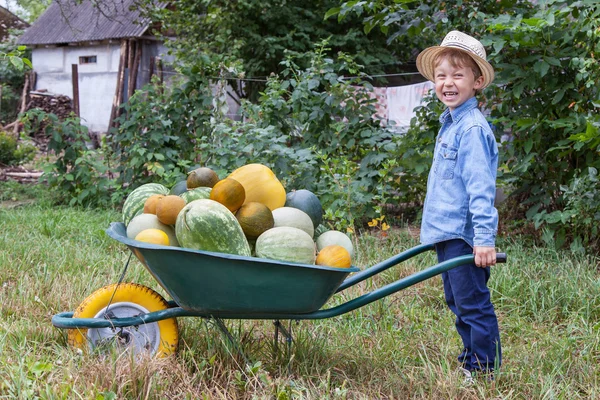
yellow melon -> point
(260, 185)
(334, 256)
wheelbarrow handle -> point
(501, 258)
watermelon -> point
(290, 216)
(306, 201)
(150, 221)
(196, 194)
(320, 229)
(134, 203)
(286, 243)
(335, 237)
(208, 225)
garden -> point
(311, 122)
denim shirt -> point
(461, 186)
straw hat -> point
(460, 41)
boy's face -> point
(455, 85)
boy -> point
(459, 216)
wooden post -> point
(159, 70)
(75, 81)
(151, 72)
(133, 70)
(17, 126)
(32, 80)
(114, 112)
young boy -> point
(459, 217)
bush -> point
(577, 223)
(14, 152)
(78, 176)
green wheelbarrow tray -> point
(216, 285)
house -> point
(97, 53)
(9, 21)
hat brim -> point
(426, 58)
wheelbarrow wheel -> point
(126, 300)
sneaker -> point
(468, 379)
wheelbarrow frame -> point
(66, 320)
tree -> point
(254, 36)
(545, 97)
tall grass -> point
(402, 346)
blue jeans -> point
(468, 296)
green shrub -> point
(78, 176)
(577, 223)
(160, 129)
(14, 152)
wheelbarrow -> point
(221, 286)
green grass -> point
(402, 346)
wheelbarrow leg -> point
(221, 325)
(287, 333)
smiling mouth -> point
(450, 94)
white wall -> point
(97, 82)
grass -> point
(402, 346)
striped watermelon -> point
(134, 203)
(208, 225)
(286, 243)
(196, 194)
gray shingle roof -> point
(65, 21)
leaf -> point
(17, 62)
(541, 67)
(528, 146)
(332, 12)
(558, 96)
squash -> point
(230, 193)
(295, 218)
(308, 202)
(335, 237)
(286, 244)
(334, 256)
(260, 185)
(202, 177)
(254, 218)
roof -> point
(8, 21)
(66, 21)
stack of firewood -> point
(56, 104)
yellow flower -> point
(373, 223)
(385, 227)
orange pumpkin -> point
(230, 193)
(334, 256)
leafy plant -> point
(78, 176)
(14, 152)
(577, 223)
(13, 63)
(159, 132)
(255, 35)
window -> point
(87, 60)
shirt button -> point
(440, 140)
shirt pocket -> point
(446, 161)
